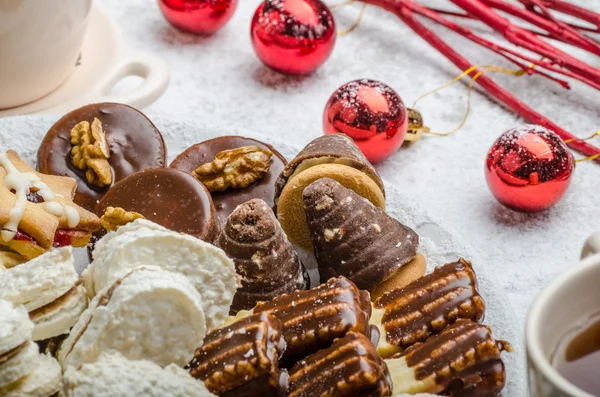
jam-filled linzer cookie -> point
(37, 211)
(166, 196)
(98, 145)
(258, 177)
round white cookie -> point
(19, 365)
(15, 326)
(206, 266)
(114, 376)
(146, 313)
(58, 317)
(41, 280)
(44, 381)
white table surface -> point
(220, 80)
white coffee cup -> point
(556, 312)
(40, 42)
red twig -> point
(575, 11)
(405, 13)
(506, 52)
(527, 40)
(557, 29)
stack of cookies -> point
(49, 288)
(23, 370)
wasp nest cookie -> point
(334, 156)
(264, 258)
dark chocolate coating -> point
(169, 197)
(264, 258)
(313, 319)
(430, 303)
(134, 142)
(353, 238)
(241, 359)
(348, 368)
(227, 201)
(465, 360)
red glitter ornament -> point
(293, 36)
(529, 168)
(371, 113)
(198, 16)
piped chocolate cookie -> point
(258, 169)
(333, 156)
(171, 198)
(353, 238)
(98, 145)
(264, 259)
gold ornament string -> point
(482, 69)
(589, 158)
(358, 20)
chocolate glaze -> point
(334, 146)
(313, 319)
(134, 142)
(227, 201)
(427, 305)
(353, 238)
(349, 367)
(264, 259)
(464, 359)
(169, 197)
(242, 359)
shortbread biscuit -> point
(112, 375)
(15, 326)
(206, 266)
(41, 280)
(145, 313)
(290, 207)
(401, 277)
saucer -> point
(105, 60)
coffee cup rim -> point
(534, 347)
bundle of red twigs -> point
(550, 63)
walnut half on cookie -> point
(90, 152)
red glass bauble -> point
(293, 36)
(198, 16)
(371, 113)
(529, 168)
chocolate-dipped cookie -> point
(353, 238)
(264, 258)
(166, 196)
(226, 201)
(331, 156)
(98, 145)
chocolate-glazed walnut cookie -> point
(169, 197)
(226, 201)
(98, 145)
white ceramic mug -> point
(557, 310)
(40, 42)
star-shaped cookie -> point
(42, 209)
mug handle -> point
(592, 246)
(152, 69)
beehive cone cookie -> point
(264, 259)
(353, 238)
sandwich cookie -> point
(333, 156)
(112, 375)
(44, 381)
(142, 242)
(15, 326)
(49, 287)
(144, 313)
